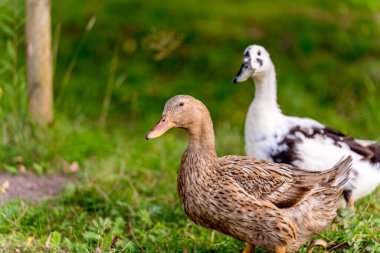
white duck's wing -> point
(369, 152)
(288, 143)
(306, 130)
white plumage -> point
(302, 142)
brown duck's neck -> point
(202, 137)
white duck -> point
(302, 142)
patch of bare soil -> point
(30, 186)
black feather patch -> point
(289, 155)
(375, 148)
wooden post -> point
(39, 61)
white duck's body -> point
(302, 142)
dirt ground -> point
(30, 186)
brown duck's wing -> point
(281, 184)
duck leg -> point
(351, 203)
(280, 249)
(349, 197)
(249, 248)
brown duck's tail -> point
(318, 210)
(338, 175)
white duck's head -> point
(256, 63)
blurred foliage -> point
(326, 54)
(17, 136)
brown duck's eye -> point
(181, 104)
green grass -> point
(133, 188)
(110, 88)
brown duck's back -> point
(307, 200)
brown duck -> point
(274, 206)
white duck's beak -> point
(244, 73)
(160, 128)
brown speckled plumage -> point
(261, 203)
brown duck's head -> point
(181, 111)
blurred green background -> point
(326, 54)
(116, 62)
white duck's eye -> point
(181, 104)
(259, 53)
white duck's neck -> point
(266, 91)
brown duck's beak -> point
(160, 128)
